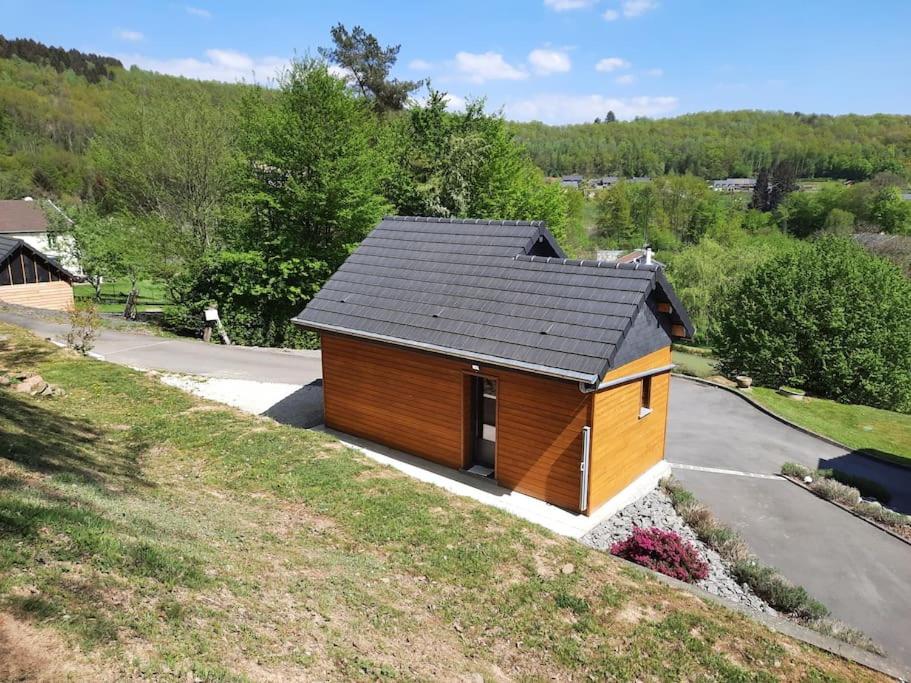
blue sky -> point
(559, 61)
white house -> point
(25, 220)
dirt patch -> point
(632, 613)
(28, 653)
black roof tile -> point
(470, 288)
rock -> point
(567, 568)
(31, 385)
(4, 381)
(808, 479)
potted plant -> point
(743, 381)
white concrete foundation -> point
(487, 491)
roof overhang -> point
(454, 353)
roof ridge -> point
(589, 263)
(471, 221)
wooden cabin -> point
(30, 278)
(476, 344)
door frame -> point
(468, 376)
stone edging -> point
(788, 628)
(869, 521)
(775, 416)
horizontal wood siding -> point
(403, 399)
(623, 444)
(52, 295)
(417, 402)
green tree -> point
(313, 168)
(360, 54)
(614, 218)
(467, 164)
(828, 317)
(169, 153)
(891, 211)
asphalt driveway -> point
(190, 356)
(862, 574)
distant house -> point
(23, 219)
(734, 185)
(479, 346)
(571, 181)
(30, 278)
(621, 256)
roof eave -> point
(556, 373)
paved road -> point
(862, 574)
(188, 355)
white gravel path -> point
(250, 396)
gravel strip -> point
(656, 510)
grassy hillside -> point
(146, 532)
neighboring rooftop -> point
(495, 291)
(21, 216)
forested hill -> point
(91, 66)
(725, 144)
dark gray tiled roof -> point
(474, 289)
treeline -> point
(92, 67)
(725, 144)
(250, 200)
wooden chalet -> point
(476, 344)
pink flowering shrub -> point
(663, 551)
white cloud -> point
(609, 64)
(636, 8)
(562, 109)
(129, 36)
(219, 65)
(545, 62)
(198, 12)
(486, 66)
(566, 5)
(454, 102)
(611, 15)
(420, 65)
(654, 73)
(626, 79)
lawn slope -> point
(881, 433)
(147, 532)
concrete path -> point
(188, 355)
(729, 450)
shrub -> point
(882, 515)
(256, 297)
(827, 317)
(663, 551)
(778, 592)
(835, 491)
(84, 325)
(867, 487)
(792, 469)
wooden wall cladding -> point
(51, 295)
(623, 444)
(416, 402)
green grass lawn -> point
(882, 433)
(696, 365)
(148, 533)
(152, 295)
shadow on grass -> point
(49, 443)
(16, 356)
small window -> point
(645, 397)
